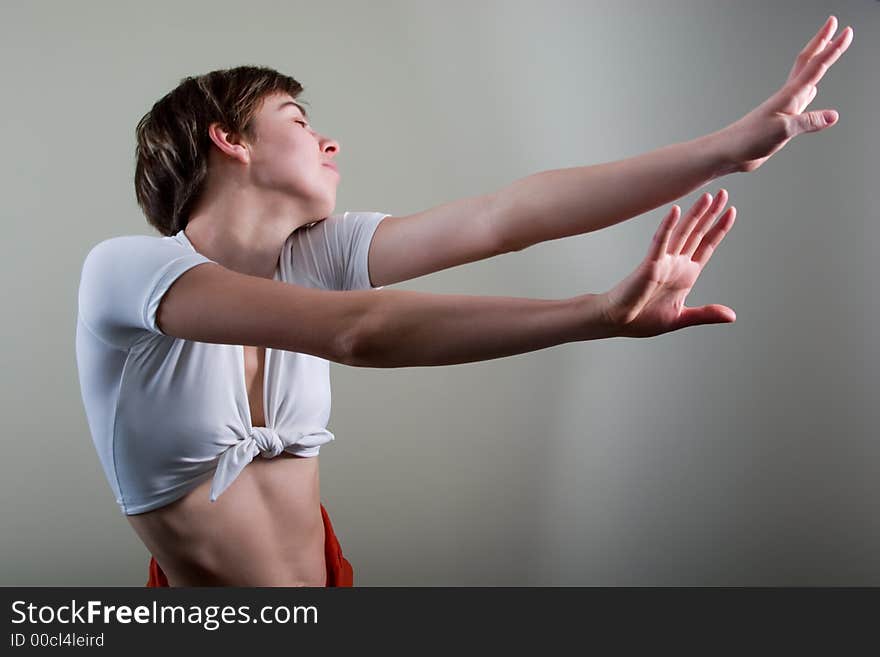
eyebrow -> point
(291, 103)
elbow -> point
(506, 225)
(356, 346)
(347, 349)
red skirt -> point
(339, 570)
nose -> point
(329, 145)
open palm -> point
(650, 301)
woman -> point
(208, 346)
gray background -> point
(743, 454)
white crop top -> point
(165, 413)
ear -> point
(229, 143)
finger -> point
(683, 233)
(816, 120)
(686, 225)
(818, 65)
(661, 236)
(815, 46)
(714, 236)
(711, 314)
(703, 225)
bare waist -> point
(265, 529)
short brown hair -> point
(173, 143)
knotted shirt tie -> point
(266, 442)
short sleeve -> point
(334, 251)
(123, 280)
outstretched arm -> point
(543, 206)
(563, 202)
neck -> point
(245, 234)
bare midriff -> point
(266, 529)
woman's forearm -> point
(563, 202)
(403, 328)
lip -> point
(332, 166)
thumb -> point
(712, 314)
(817, 120)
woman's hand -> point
(650, 301)
(770, 126)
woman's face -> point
(289, 157)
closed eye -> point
(303, 123)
